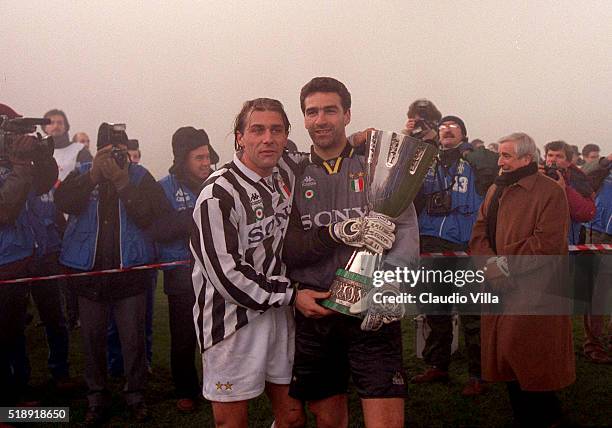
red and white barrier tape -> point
(572, 249)
(95, 273)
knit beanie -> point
(185, 140)
(458, 121)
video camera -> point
(116, 135)
(421, 128)
(12, 128)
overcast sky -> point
(542, 67)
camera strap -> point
(438, 178)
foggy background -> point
(542, 67)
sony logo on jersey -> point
(325, 218)
(182, 196)
(265, 228)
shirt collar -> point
(250, 174)
(347, 152)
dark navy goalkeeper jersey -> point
(330, 191)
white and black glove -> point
(384, 312)
(375, 232)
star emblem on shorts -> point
(224, 386)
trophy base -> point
(346, 289)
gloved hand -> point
(484, 164)
(22, 150)
(116, 175)
(96, 172)
(378, 314)
(374, 232)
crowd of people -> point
(265, 234)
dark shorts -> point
(329, 350)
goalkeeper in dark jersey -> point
(328, 220)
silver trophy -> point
(396, 167)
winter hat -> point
(458, 121)
(186, 139)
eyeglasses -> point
(450, 126)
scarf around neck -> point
(501, 183)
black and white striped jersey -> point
(241, 222)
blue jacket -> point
(42, 219)
(603, 203)
(461, 181)
(16, 240)
(181, 198)
(81, 236)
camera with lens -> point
(551, 171)
(439, 203)
(423, 125)
(116, 135)
(421, 128)
(11, 129)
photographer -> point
(110, 203)
(25, 171)
(193, 156)
(449, 201)
(422, 122)
(578, 189)
(423, 117)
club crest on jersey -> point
(257, 205)
(309, 194)
(357, 182)
(308, 181)
(461, 166)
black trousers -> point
(13, 301)
(533, 409)
(437, 351)
(182, 334)
(48, 300)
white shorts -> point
(238, 367)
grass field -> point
(586, 403)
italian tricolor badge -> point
(357, 184)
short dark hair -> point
(258, 104)
(57, 112)
(557, 146)
(425, 109)
(590, 148)
(326, 84)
